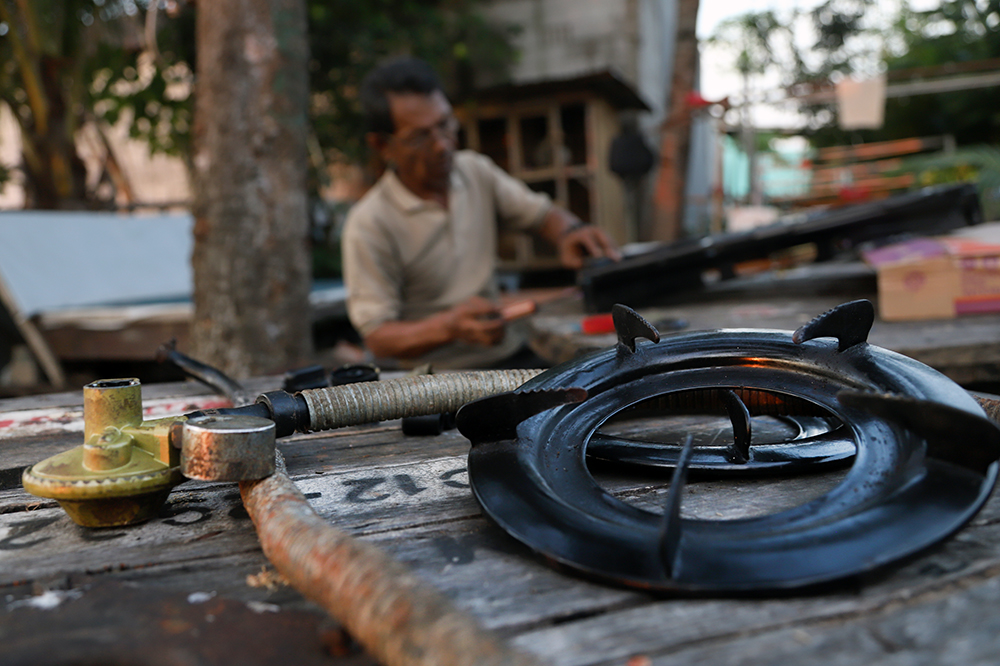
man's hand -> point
(585, 241)
(476, 321)
(574, 240)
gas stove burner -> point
(787, 442)
(924, 456)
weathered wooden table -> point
(192, 586)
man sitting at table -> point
(420, 247)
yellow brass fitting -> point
(125, 468)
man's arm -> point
(575, 240)
(520, 206)
(476, 321)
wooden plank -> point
(114, 624)
(879, 149)
(39, 348)
(410, 496)
(718, 627)
(872, 184)
(949, 625)
(837, 173)
(136, 342)
(782, 631)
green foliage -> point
(841, 31)
(44, 50)
(150, 84)
(979, 164)
(852, 37)
(754, 39)
(66, 62)
(348, 38)
(957, 31)
(767, 41)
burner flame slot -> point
(739, 415)
(670, 533)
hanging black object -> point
(926, 457)
(630, 156)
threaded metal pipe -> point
(416, 395)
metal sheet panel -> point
(51, 260)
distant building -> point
(584, 68)
(561, 39)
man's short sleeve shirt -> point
(406, 258)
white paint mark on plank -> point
(47, 600)
(404, 486)
(200, 597)
(37, 422)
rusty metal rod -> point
(400, 620)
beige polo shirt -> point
(406, 258)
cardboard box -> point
(936, 278)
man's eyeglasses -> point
(424, 138)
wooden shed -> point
(555, 136)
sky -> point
(713, 12)
(719, 79)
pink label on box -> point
(921, 248)
(914, 280)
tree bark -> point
(675, 146)
(251, 259)
(49, 112)
(55, 176)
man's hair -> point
(402, 75)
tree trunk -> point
(251, 260)
(675, 145)
(55, 176)
(48, 108)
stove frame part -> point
(926, 458)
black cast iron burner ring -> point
(926, 458)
